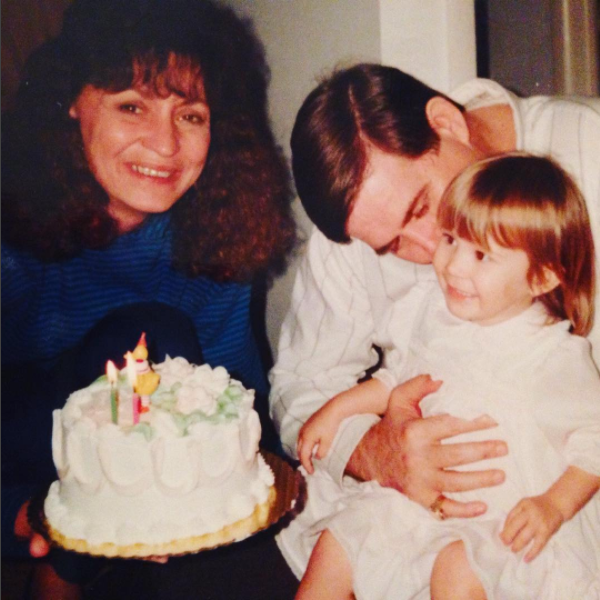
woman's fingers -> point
(163, 560)
(38, 546)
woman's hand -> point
(534, 520)
(405, 452)
(38, 546)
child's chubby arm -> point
(537, 518)
(319, 431)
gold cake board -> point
(283, 497)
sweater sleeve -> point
(225, 333)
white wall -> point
(305, 39)
(434, 40)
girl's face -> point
(145, 150)
(485, 287)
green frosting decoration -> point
(145, 429)
(165, 399)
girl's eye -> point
(480, 255)
(448, 239)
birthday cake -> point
(181, 474)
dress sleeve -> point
(325, 345)
(568, 408)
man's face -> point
(395, 209)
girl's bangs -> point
(480, 220)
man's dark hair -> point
(364, 104)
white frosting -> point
(189, 468)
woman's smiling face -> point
(146, 150)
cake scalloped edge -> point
(234, 532)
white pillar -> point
(434, 40)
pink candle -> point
(132, 378)
(111, 374)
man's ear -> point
(446, 119)
(546, 283)
(73, 112)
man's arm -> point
(405, 452)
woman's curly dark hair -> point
(235, 221)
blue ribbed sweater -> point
(48, 307)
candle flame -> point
(131, 370)
(111, 371)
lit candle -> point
(111, 374)
(132, 378)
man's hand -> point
(38, 546)
(405, 452)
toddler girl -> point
(502, 329)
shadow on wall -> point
(26, 24)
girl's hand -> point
(537, 519)
(317, 433)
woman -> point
(142, 191)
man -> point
(373, 151)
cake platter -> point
(289, 491)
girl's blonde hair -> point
(530, 203)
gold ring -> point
(436, 507)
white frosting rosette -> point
(174, 370)
(192, 397)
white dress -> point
(538, 382)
